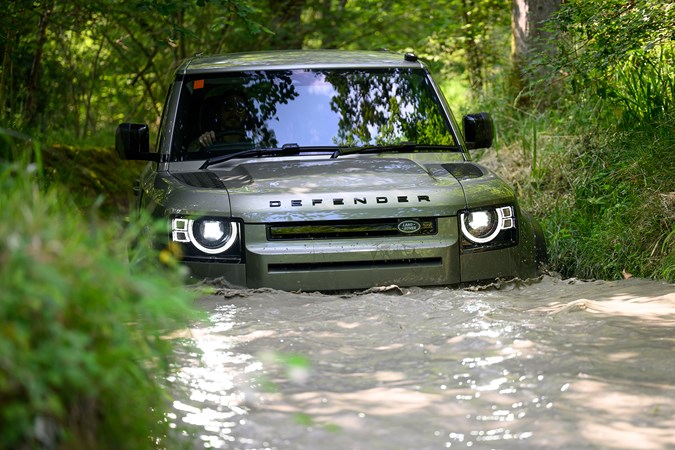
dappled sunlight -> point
(624, 435)
(625, 420)
(658, 310)
(348, 325)
(622, 356)
(389, 347)
(608, 400)
(299, 190)
(380, 401)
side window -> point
(160, 134)
(186, 128)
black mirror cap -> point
(478, 130)
(132, 142)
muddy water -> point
(546, 364)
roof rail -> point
(410, 57)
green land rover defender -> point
(326, 170)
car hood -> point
(331, 189)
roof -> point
(296, 59)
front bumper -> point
(328, 264)
(361, 263)
(336, 264)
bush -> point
(603, 191)
(82, 333)
(88, 172)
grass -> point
(619, 215)
(603, 191)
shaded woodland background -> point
(582, 93)
(76, 68)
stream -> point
(547, 363)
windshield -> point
(307, 108)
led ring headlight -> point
(208, 234)
(483, 225)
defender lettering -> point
(356, 200)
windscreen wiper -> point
(402, 147)
(286, 149)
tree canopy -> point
(82, 66)
(78, 68)
(623, 50)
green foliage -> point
(92, 174)
(83, 347)
(604, 192)
(617, 209)
(645, 85)
(620, 214)
(107, 62)
(591, 152)
(621, 52)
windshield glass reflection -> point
(310, 108)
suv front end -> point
(347, 171)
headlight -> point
(210, 235)
(483, 225)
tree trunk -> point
(6, 61)
(287, 25)
(529, 35)
(475, 60)
(34, 77)
(89, 118)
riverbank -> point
(606, 197)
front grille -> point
(351, 229)
(413, 263)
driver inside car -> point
(226, 118)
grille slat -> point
(348, 229)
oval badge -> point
(409, 226)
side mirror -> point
(478, 130)
(132, 141)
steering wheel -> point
(221, 141)
(222, 134)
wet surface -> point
(547, 364)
